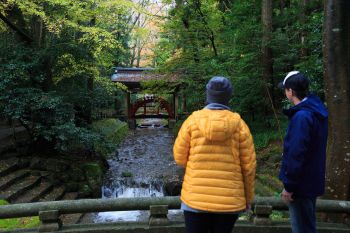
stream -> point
(142, 163)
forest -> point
(56, 59)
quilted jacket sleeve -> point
(248, 160)
(182, 144)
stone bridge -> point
(260, 221)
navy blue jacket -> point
(304, 153)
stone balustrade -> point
(49, 215)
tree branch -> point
(24, 36)
(206, 26)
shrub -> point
(112, 131)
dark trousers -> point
(209, 222)
(302, 215)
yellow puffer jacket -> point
(217, 150)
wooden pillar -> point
(184, 104)
(131, 121)
(176, 105)
(115, 105)
(128, 105)
(172, 121)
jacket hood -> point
(215, 125)
(312, 104)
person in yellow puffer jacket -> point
(216, 148)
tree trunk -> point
(337, 82)
(133, 55)
(208, 30)
(282, 4)
(138, 60)
(304, 52)
(37, 30)
(267, 63)
(90, 88)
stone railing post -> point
(262, 214)
(50, 221)
(158, 215)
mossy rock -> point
(54, 178)
(113, 131)
(36, 163)
(64, 177)
(72, 186)
(3, 202)
(94, 173)
(23, 162)
(56, 165)
(127, 174)
(173, 188)
(76, 174)
(93, 170)
(85, 191)
(35, 173)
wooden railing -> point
(49, 215)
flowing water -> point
(141, 164)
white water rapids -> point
(143, 160)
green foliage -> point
(263, 136)
(287, 44)
(127, 174)
(45, 114)
(3, 202)
(105, 95)
(207, 42)
(196, 29)
(277, 216)
(162, 86)
(14, 223)
(58, 83)
(55, 85)
(113, 132)
(312, 65)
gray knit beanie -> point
(219, 90)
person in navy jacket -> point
(304, 152)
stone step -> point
(7, 166)
(88, 218)
(8, 180)
(69, 219)
(55, 194)
(18, 188)
(34, 194)
(70, 196)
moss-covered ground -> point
(13, 223)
